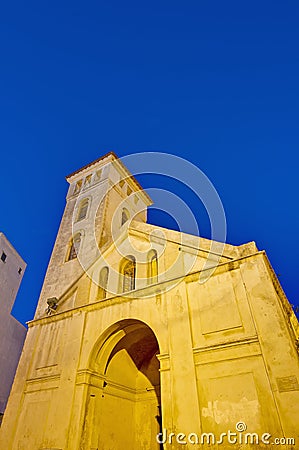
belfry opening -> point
(123, 409)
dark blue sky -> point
(213, 82)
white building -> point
(12, 332)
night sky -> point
(214, 82)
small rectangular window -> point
(20, 270)
(3, 257)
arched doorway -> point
(123, 403)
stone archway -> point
(123, 404)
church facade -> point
(138, 344)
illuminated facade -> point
(130, 341)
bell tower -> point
(101, 198)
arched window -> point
(103, 281)
(152, 266)
(74, 246)
(124, 216)
(128, 269)
(82, 210)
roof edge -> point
(92, 163)
(116, 158)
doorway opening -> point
(124, 410)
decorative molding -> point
(42, 383)
(115, 299)
(226, 344)
(229, 350)
(164, 359)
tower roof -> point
(114, 157)
(92, 164)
